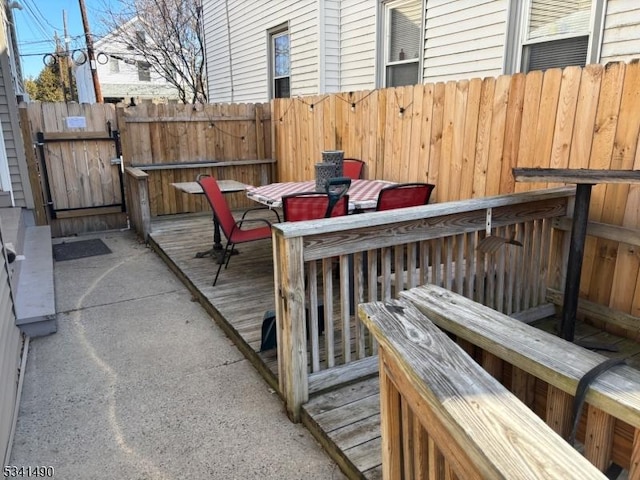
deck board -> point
(346, 420)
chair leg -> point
(226, 253)
(230, 245)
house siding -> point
(464, 39)
(10, 346)
(247, 54)
(329, 53)
(358, 45)
(13, 137)
(621, 36)
(124, 83)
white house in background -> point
(122, 73)
(264, 49)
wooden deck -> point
(345, 420)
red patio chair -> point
(232, 230)
(352, 168)
(312, 205)
(404, 195)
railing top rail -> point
(550, 358)
(481, 416)
(352, 222)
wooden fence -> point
(175, 142)
(466, 136)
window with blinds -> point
(403, 33)
(557, 34)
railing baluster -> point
(459, 268)
(519, 268)
(448, 267)
(385, 255)
(345, 300)
(436, 265)
(312, 285)
(544, 263)
(470, 268)
(500, 272)
(598, 441)
(372, 264)
(327, 281)
(398, 266)
(358, 294)
(528, 265)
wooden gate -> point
(77, 152)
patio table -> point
(363, 194)
(584, 179)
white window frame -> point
(143, 67)
(384, 41)
(272, 34)
(518, 20)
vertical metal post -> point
(574, 264)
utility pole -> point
(72, 96)
(90, 53)
(58, 55)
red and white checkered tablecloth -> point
(363, 194)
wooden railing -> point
(443, 416)
(542, 370)
(374, 256)
(137, 191)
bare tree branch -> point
(173, 45)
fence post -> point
(137, 188)
(290, 315)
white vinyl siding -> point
(329, 54)
(239, 72)
(358, 45)
(14, 150)
(621, 39)
(464, 39)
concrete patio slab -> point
(139, 382)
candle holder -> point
(324, 171)
(335, 157)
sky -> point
(39, 20)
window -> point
(402, 42)
(144, 71)
(141, 38)
(280, 64)
(114, 65)
(553, 34)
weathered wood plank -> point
(519, 344)
(566, 175)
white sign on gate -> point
(76, 122)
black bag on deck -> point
(269, 339)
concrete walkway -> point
(139, 383)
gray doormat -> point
(80, 249)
